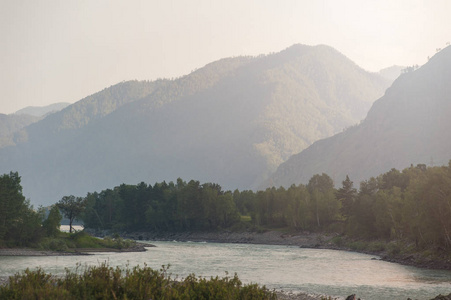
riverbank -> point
(139, 247)
(302, 296)
(302, 239)
(426, 259)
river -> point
(288, 268)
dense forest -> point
(413, 204)
(20, 224)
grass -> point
(376, 246)
(104, 282)
(72, 241)
(245, 218)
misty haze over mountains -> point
(232, 122)
(11, 125)
(410, 124)
(42, 111)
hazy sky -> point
(63, 51)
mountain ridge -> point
(41, 111)
(231, 122)
(408, 125)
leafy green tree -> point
(346, 195)
(296, 211)
(191, 208)
(383, 223)
(29, 230)
(52, 223)
(435, 195)
(12, 202)
(72, 208)
(19, 223)
(369, 187)
(324, 205)
(393, 178)
(227, 212)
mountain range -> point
(11, 125)
(41, 111)
(232, 122)
(410, 124)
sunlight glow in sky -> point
(62, 51)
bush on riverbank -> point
(104, 282)
(72, 241)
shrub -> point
(394, 249)
(377, 246)
(337, 240)
(57, 245)
(104, 282)
(357, 246)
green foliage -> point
(181, 206)
(20, 225)
(413, 205)
(394, 248)
(358, 245)
(72, 208)
(57, 245)
(337, 240)
(377, 246)
(104, 282)
(82, 240)
(195, 206)
(346, 195)
(323, 202)
(52, 223)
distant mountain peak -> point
(40, 111)
(408, 125)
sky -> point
(62, 51)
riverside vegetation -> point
(23, 226)
(405, 212)
(402, 212)
(398, 213)
(105, 282)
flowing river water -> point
(287, 268)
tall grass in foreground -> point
(105, 282)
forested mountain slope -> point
(232, 122)
(11, 126)
(410, 124)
